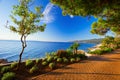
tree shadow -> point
(98, 58)
(82, 73)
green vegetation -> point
(49, 59)
(5, 69)
(14, 65)
(55, 57)
(34, 69)
(59, 59)
(101, 51)
(74, 47)
(27, 22)
(29, 63)
(44, 63)
(8, 76)
(52, 65)
(38, 60)
(65, 60)
(72, 60)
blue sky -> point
(59, 27)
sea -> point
(10, 49)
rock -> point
(3, 61)
(80, 52)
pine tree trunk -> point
(23, 41)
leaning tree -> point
(25, 22)
(107, 12)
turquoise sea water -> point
(35, 49)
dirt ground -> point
(105, 67)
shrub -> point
(49, 59)
(69, 52)
(8, 76)
(44, 63)
(72, 60)
(53, 53)
(65, 60)
(55, 57)
(99, 52)
(77, 59)
(29, 63)
(5, 69)
(59, 59)
(37, 61)
(14, 65)
(62, 53)
(52, 65)
(34, 69)
(107, 49)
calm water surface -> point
(35, 49)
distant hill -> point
(96, 41)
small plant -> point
(8, 76)
(77, 59)
(34, 69)
(55, 57)
(53, 53)
(59, 59)
(49, 59)
(52, 65)
(14, 65)
(44, 63)
(37, 61)
(29, 63)
(72, 60)
(5, 69)
(65, 60)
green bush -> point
(53, 53)
(107, 49)
(77, 59)
(59, 59)
(34, 69)
(5, 69)
(49, 59)
(65, 60)
(55, 57)
(69, 52)
(14, 65)
(52, 65)
(37, 61)
(44, 63)
(99, 52)
(8, 76)
(29, 63)
(72, 60)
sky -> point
(59, 28)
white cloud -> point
(48, 17)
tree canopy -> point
(107, 12)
